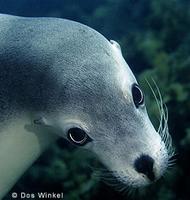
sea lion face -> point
(105, 113)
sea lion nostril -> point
(144, 164)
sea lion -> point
(60, 78)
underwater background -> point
(155, 41)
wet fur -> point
(70, 75)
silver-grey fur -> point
(71, 76)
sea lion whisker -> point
(163, 126)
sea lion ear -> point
(40, 121)
(115, 44)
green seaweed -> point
(155, 41)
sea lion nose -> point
(144, 164)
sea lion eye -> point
(78, 136)
(138, 96)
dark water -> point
(155, 41)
